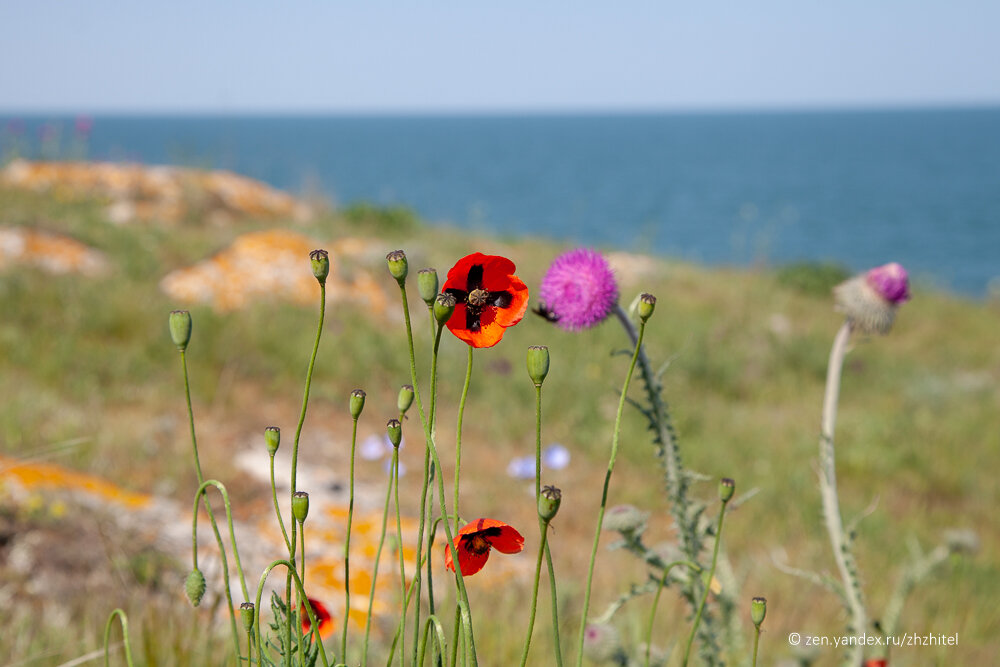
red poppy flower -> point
(489, 298)
(323, 617)
(876, 662)
(474, 541)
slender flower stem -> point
(543, 526)
(756, 641)
(656, 601)
(831, 504)
(277, 510)
(123, 619)
(378, 553)
(555, 606)
(347, 547)
(708, 584)
(604, 494)
(313, 622)
(432, 622)
(402, 567)
(458, 432)
(208, 506)
(436, 460)
(538, 442)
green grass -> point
(91, 359)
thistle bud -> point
(194, 586)
(405, 398)
(357, 402)
(647, 303)
(601, 643)
(300, 506)
(444, 306)
(870, 300)
(427, 285)
(395, 431)
(758, 610)
(625, 519)
(727, 488)
(272, 437)
(320, 260)
(538, 363)
(180, 328)
(398, 266)
(247, 613)
(548, 503)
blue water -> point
(859, 188)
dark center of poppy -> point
(478, 297)
(477, 544)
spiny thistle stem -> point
(708, 584)
(378, 553)
(656, 602)
(347, 546)
(123, 619)
(604, 494)
(831, 505)
(436, 461)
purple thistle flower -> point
(891, 282)
(579, 289)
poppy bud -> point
(180, 328)
(300, 506)
(247, 613)
(405, 399)
(398, 266)
(357, 402)
(758, 610)
(194, 586)
(272, 437)
(444, 306)
(320, 260)
(395, 431)
(727, 488)
(427, 285)
(647, 303)
(548, 503)
(538, 363)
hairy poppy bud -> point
(727, 488)
(405, 399)
(320, 260)
(548, 503)
(444, 306)
(427, 285)
(647, 303)
(357, 402)
(398, 266)
(300, 506)
(758, 610)
(247, 613)
(538, 363)
(395, 431)
(194, 586)
(180, 328)
(272, 437)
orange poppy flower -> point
(323, 617)
(474, 541)
(489, 298)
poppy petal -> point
(323, 617)
(470, 561)
(489, 333)
(512, 314)
(509, 541)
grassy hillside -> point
(89, 378)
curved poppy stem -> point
(277, 510)
(458, 430)
(378, 555)
(436, 460)
(555, 606)
(656, 601)
(123, 619)
(604, 495)
(347, 545)
(432, 622)
(313, 622)
(708, 584)
(544, 528)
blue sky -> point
(311, 56)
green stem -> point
(313, 623)
(544, 528)
(656, 601)
(436, 460)
(378, 554)
(123, 619)
(347, 547)
(756, 641)
(604, 494)
(555, 606)
(277, 510)
(708, 584)
(458, 431)
(402, 567)
(432, 621)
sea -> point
(858, 188)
